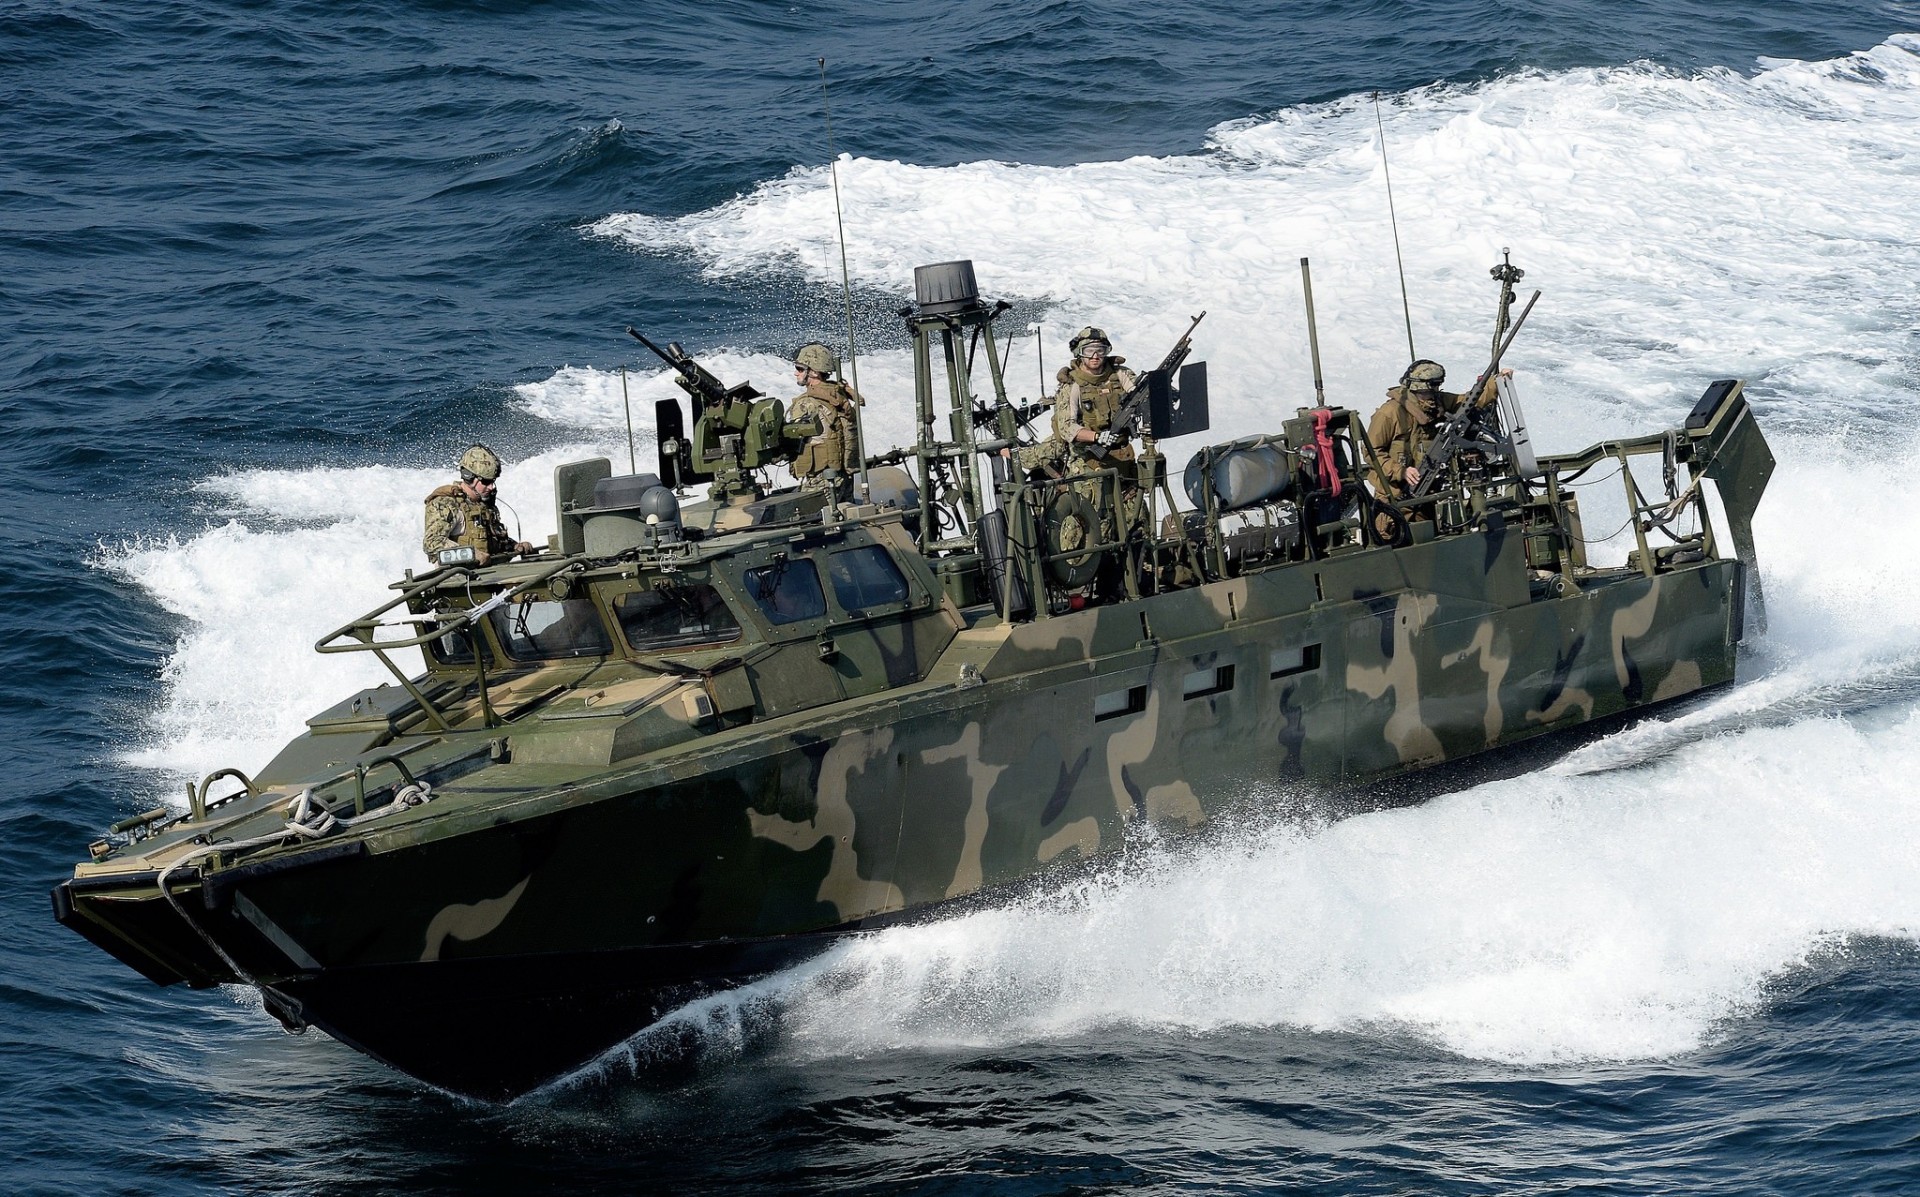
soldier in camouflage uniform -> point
(826, 412)
(464, 514)
(1085, 409)
(1403, 427)
(1085, 406)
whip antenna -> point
(1039, 361)
(846, 284)
(633, 466)
(1393, 218)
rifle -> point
(1462, 424)
(1135, 401)
(694, 378)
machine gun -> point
(1464, 426)
(696, 380)
(736, 429)
(1134, 402)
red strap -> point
(1323, 445)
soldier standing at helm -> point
(464, 514)
(1404, 426)
(831, 455)
(1085, 406)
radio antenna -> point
(846, 284)
(1393, 218)
(626, 401)
(1039, 360)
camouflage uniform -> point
(835, 446)
(454, 519)
(1050, 452)
(1091, 401)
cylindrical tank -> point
(1244, 472)
(945, 287)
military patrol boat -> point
(696, 740)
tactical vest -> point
(474, 523)
(832, 448)
(1092, 405)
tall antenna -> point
(1039, 361)
(846, 283)
(1393, 217)
(633, 466)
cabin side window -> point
(675, 617)
(1202, 682)
(1285, 662)
(1117, 703)
(865, 577)
(456, 648)
(550, 629)
(788, 590)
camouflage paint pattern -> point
(623, 817)
(687, 814)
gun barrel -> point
(1135, 401)
(662, 354)
(1511, 334)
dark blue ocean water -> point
(252, 241)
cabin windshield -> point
(865, 577)
(550, 629)
(787, 591)
(673, 617)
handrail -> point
(197, 796)
(361, 630)
(1595, 453)
(358, 772)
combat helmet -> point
(1088, 336)
(1424, 375)
(818, 358)
(479, 462)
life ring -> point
(1072, 524)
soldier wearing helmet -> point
(1087, 402)
(464, 514)
(1404, 426)
(825, 414)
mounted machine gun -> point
(736, 429)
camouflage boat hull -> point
(487, 955)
